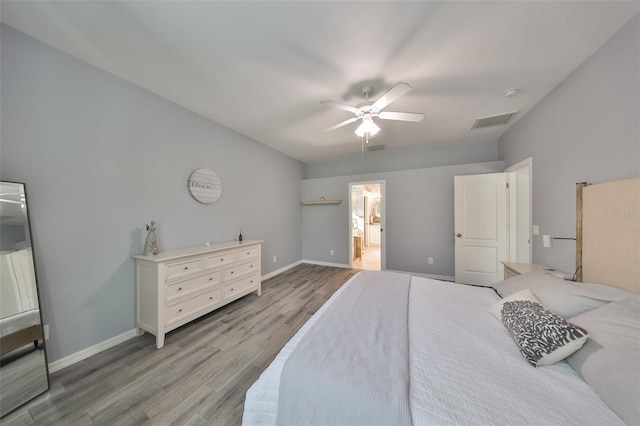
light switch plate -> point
(535, 230)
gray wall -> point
(101, 158)
(390, 159)
(586, 129)
(419, 217)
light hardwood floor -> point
(370, 259)
(202, 373)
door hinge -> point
(507, 185)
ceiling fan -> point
(368, 110)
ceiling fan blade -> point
(341, 106)
(402, 116)
(392, 94)
(344, 123)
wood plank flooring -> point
(23, 375)
(200, 376)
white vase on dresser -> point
(178, 286)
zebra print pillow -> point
(543, 337)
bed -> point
(19, 330)
(19, 312)
(395, 349)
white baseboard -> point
(90, 351)
(316, 262)
(116, 340)
(281, 270)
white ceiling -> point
(262, 67)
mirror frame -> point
(29, 398)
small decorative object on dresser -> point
(151, 243)
(178, 286)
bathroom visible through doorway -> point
(367, 225)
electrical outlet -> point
(430, 260)
(331, 252)
(275, 259)
(46, 332)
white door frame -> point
(516, 210)
(383, 221)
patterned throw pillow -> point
(543, 337)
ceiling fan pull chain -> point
(362, 156)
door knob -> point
(458, 235)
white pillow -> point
(610, 360)
(526, 294)
(562, 297)
(543, 337)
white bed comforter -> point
(19, 322)
(356, 356)
(463, 368)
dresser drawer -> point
(184, 268)
(236, 287)
(219, 259)
(177, 286)
(247, 254)
(192, 305)
(186, 287)
(239, 270)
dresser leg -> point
(159, 341)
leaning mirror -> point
(23, 361)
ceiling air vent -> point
(375, 147)
(493, 120)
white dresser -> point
(178, 286)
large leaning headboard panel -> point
(611, 234)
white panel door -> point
(481, 229)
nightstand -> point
(511, 269)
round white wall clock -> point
(205, 186)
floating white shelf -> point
(317, 202)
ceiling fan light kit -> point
(367, 127)
(368, 110)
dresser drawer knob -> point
(231, 272)
(251, 266)
(179, 288)
(221, 259)
(186, 267)
(210, 278)
(210, 297)
(179, 310)
(231, 289)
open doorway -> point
(366, 215)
